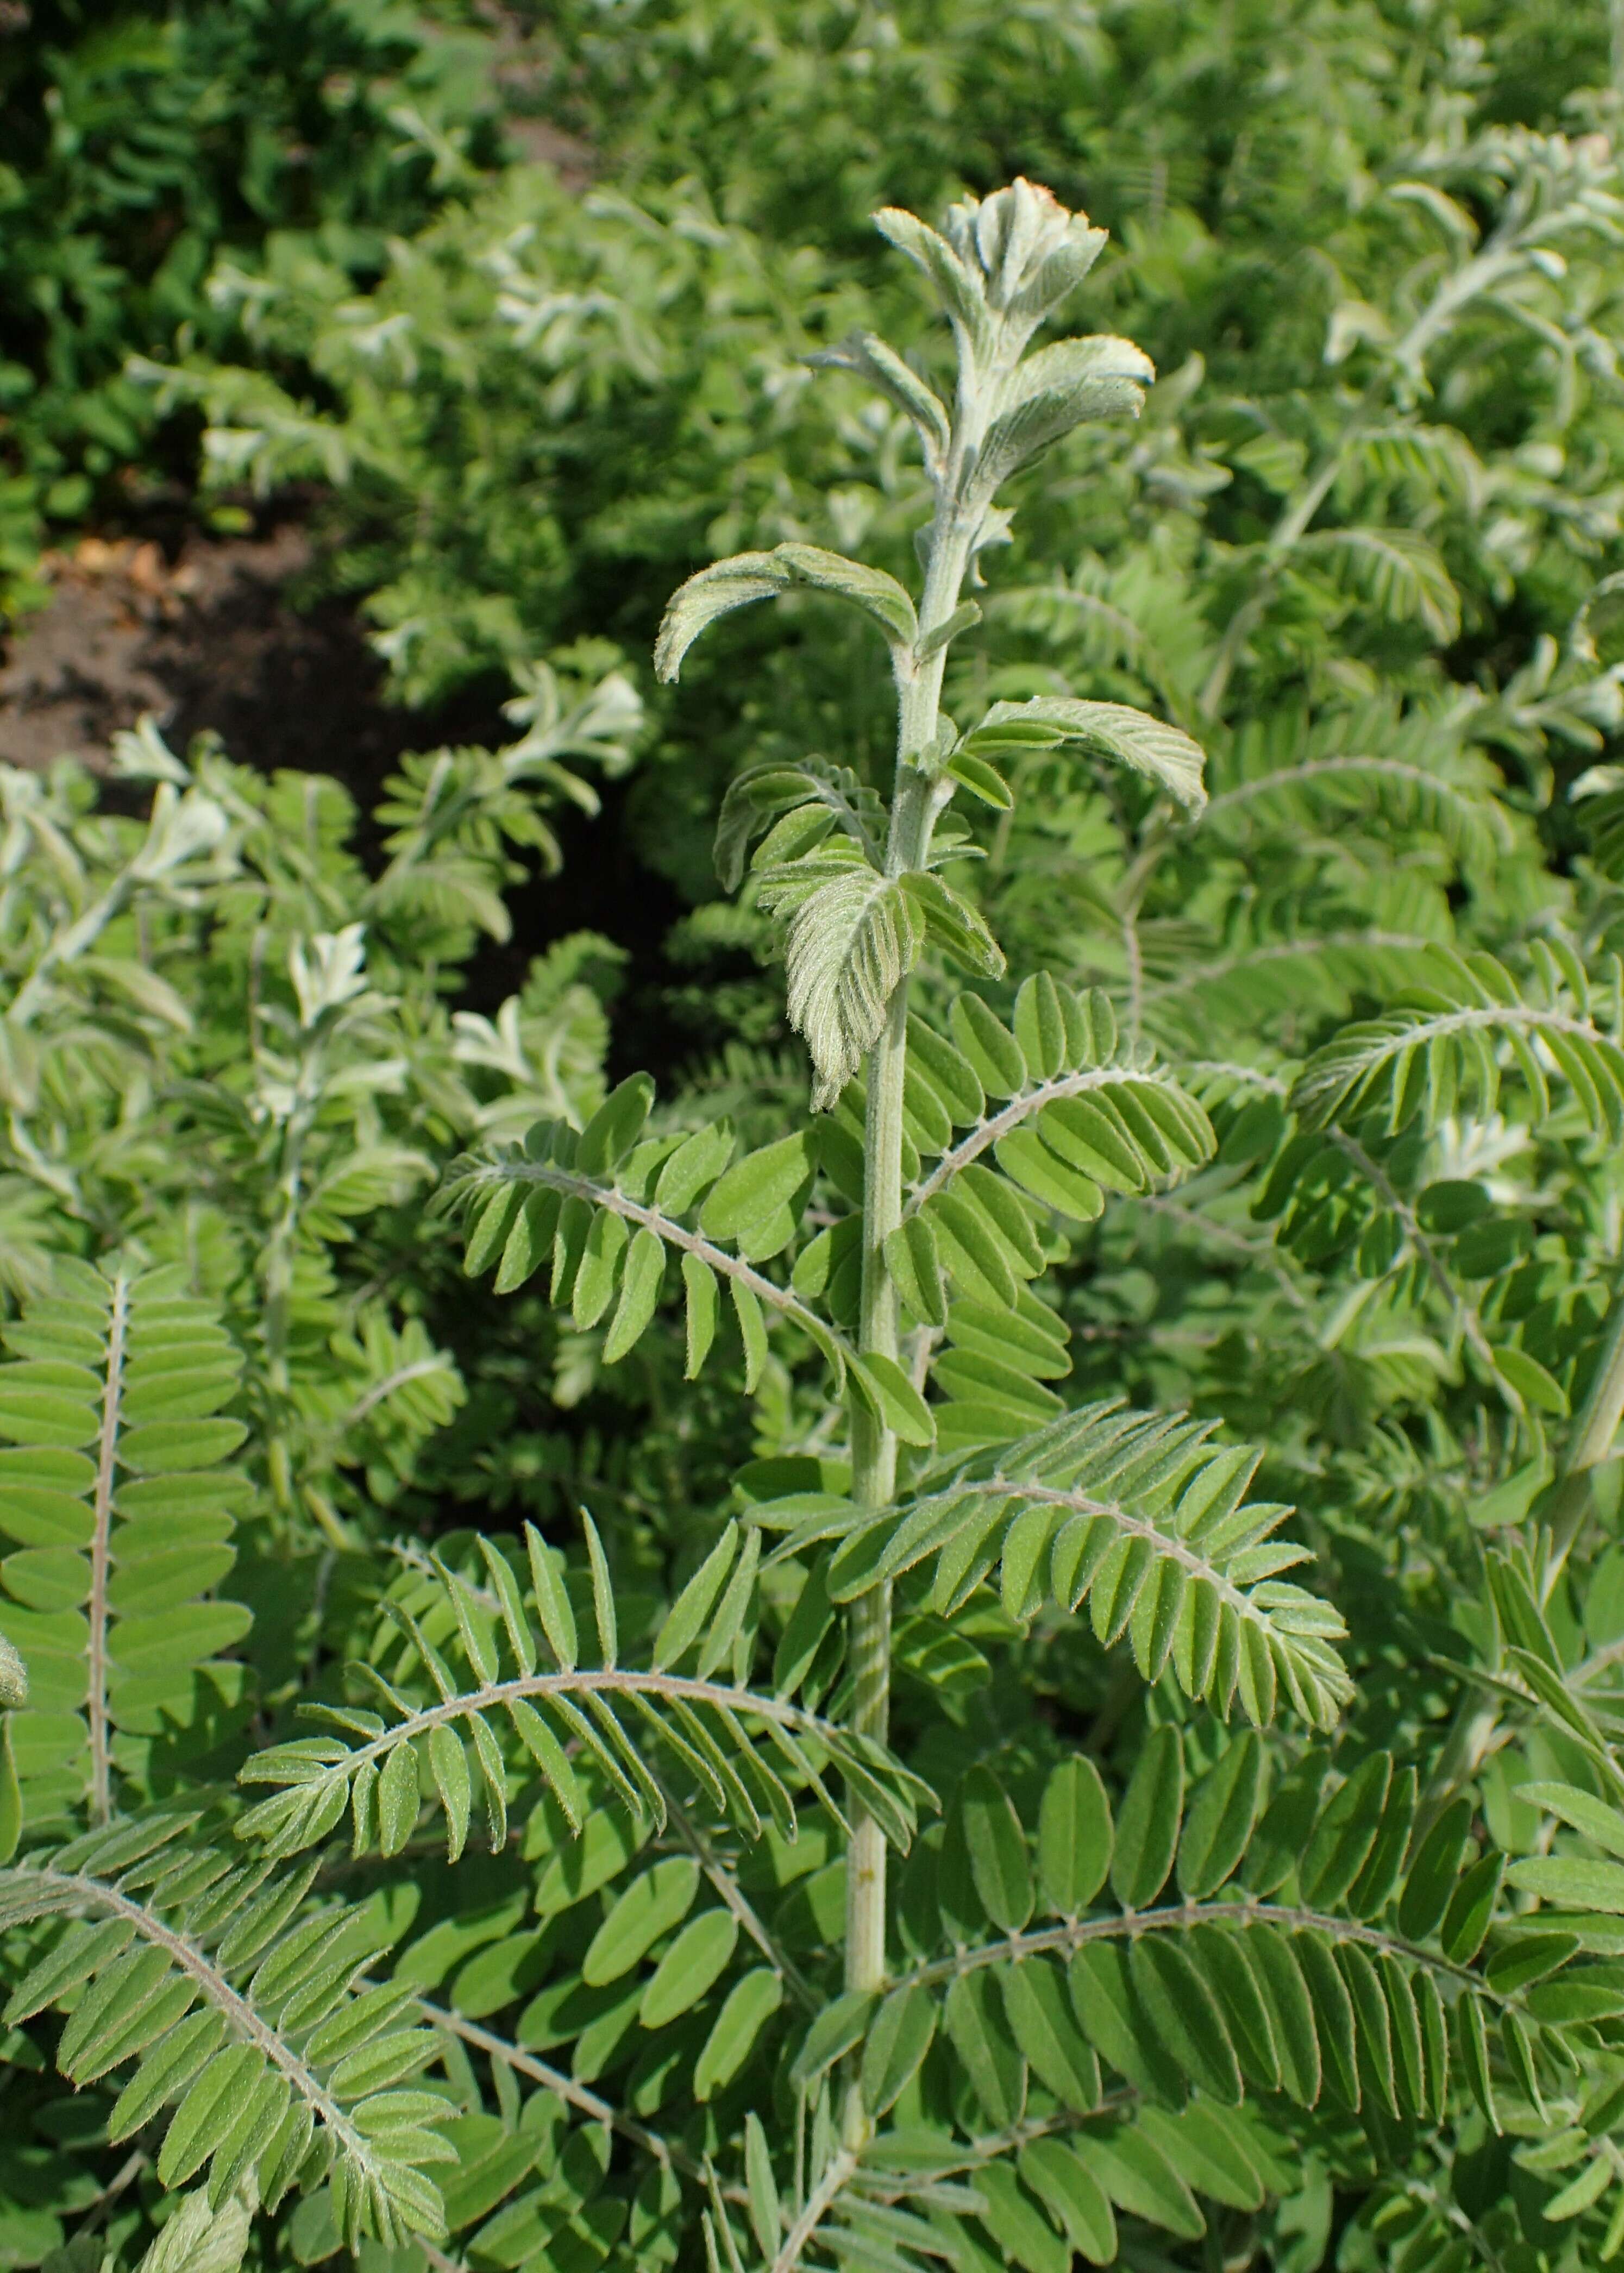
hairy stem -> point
(583, 1681)
(873, 1482)
(1020, 1109)
(874, 1446)
(726, 1265)
(1231, 1911)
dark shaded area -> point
(603, 887)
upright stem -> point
(873, 1482)
(874, 1446)
(278, 1315)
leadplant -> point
(857, 920)
(941, 1154)
(856, 888)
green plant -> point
(1357, 545)
(1282, 1966)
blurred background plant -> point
(143, 146)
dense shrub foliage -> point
(978, 1624)
(146, 146)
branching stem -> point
(591, 1681)
(820, 2201)
(575, 2095)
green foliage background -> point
(143, 146)
(1359, 547)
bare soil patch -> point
(211, 639)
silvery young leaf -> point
(1057, 389)
(715, 591)
(849, 944)
(1112, 730)
(954, 925)
(867, 355)
(13, 1675)
(957, 286)
(1047, 284)
(734, 583)
(201, 2239)
(1031, 250)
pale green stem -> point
(874, 1446)
(278, 1277)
